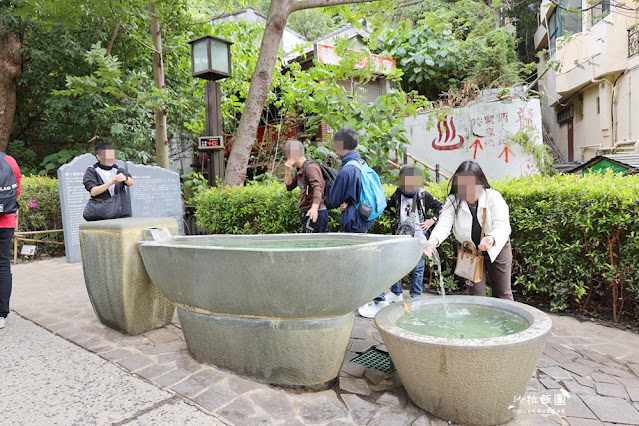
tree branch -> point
(311, 4)
(130, 33)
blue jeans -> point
(417, 281)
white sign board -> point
(481, 132)
(28, 250)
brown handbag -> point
(470, 261)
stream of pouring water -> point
(442, 291)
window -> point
(600, 11)
(563, 21)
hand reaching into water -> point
(430, 247)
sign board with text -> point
(210, 142)
(326, 54)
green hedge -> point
(39, 211)
(574, 238)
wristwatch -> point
(126, 180)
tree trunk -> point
(10, 71)
(261, 82)
(161, 136)
(258, 92)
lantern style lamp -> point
(210, 57)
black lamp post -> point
(211, 60)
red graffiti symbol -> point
(447, 144)
(476, 144)
(507, 151)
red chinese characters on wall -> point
(448, 139)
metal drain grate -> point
(376, 359)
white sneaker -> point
(394, 298)
(3, 322)
(369, 311)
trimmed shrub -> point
(40, 211)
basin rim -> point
(539, 322)
(374, 240)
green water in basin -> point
(272, 244)
(462, 321)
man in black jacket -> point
(415, 212)
(104, 179)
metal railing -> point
(633, 41)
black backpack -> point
(328, 174)
(8, 188)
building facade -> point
(589, 101)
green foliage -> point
(572, 235)
(528, 139)
(51, 162)
(448, 44)
(314, 95)
(25, 157)
(39, 210)
(192, 184)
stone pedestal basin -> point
(465, 381)
(277, 308)
(121, 293)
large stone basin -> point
(277, 308)
(465, 381)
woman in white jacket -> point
(470, 198)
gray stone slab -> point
(422, 421)
(577, 368)
(633, 392)
(574, 387)
(361, 346)
(320, 406)
(391, 399)
(618, 372)
(549, 383)
(273, 402)
(240, 411)
(546, 361)
(603, 378)
(175, 413)
(388, 384)
(615, 410)
(73, 199)
(215, 397)
(156, 193)
(584, 381)
(615, 350)
(353, 385)
(171, 378)
(628, 381)
(48, 380)
(376, 376)
(360, 333)
(556, 373)
(634, 368)
(572, 421)
(353, 369)
(360, 409)
(608, 389)
(392, 416)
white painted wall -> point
(449, 144)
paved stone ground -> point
(587, 375)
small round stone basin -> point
(276, 308)
(459, 379)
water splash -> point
(442, 290)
